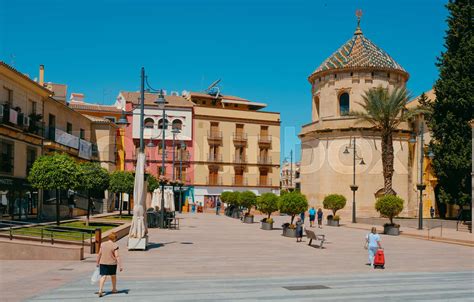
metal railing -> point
(240, 159)
(214, 181)
(264, 160)
(22, 121)
(265, 182)
(264, 139)
(239, 137)
(239, 181)
(214, 135)
(435, 227)
(214, 157)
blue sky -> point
(263, 50)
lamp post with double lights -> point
(175, 132)
(182, 146)
(354, 187)
(421, 186)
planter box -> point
(267, 226)
(248, 219)
(391, 230)
(287, 232)
(236, 214)
(334, 223)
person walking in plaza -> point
(432, 212)
(372, 244)
(302, 216)
(312, 216)
(299, 229)
(108, 259)
(320, 218)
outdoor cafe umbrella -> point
(138, 228)
(156, 198)
(169, 200)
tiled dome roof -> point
(359, 52)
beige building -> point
(290, 176)
(337, 86)
(236, 146)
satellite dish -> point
(214, 84)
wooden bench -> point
(311, 235)
(173, 223)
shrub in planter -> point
(225, 199)
(334, 202)
(293, 203)
(233, 202)
(390, 206)
(247, 199)
(267, 204)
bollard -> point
(98, 240)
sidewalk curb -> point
(423, 237)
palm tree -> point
(385, 110)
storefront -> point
(18, 200)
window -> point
(33, 107)
(6, 156)
(69, 128)
(161, 171)
(9, 94)
(177, 124)
(30, 159)
(149, 123)
(316, 108)
(344, 104)
(160, 124)
(82, 134)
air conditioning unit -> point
(26, 121)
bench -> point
(311, 235)
(173, 223)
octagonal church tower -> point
(337, 86)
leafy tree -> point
(385, 110)
(267, 203)
(233, 198)
(55, 172)
(247, 199)
(293, 203)
(334, 202)
(389, 206)
(225, 196)
(153, 183)
(94, 180)
(121, 182)
(454, 107)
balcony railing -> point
(240, 159)
(214, 180)
(240, 138)
(214, 158)
(239, 181)
(265, 182)
(264, 139)
(19, 120)
(214, 135)
(264, 160)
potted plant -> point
(248, 199)
(334, 202)
(225, 199)
(390, 206)
(233, 201)
(267, 204)
(292, 203)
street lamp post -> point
(161, 102)
(175, 132)
(354, 187)
(182, 146)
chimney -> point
(76, 98)
(41, 75)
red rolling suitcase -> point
(379, 259)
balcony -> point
(265, 182)
(240, 159)
(214, 180)
(239, 181)
(264, 140)
(240, 139)
(182, 156)
(214, 137)
(58, 139)
(14, 118)
(264, 160)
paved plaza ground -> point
(217, 258)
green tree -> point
(389, 206)
(225, 196)
(454, 107)
(267, 203)
(293, 203)
(94, 180)
(334, 202)
(385, 110)
(152, 183)
(233, 198)
(247, 199)
(55, 172)
(121, 182)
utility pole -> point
(291, 169)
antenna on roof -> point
(213, 89)
(359, 16)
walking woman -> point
(312, 216)
(320, 218)
(108, 259)
(373, 244)
(299, 229)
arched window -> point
(160, 124)
(149, 122)
(344, 104)
(177, 124)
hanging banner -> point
(66, 139)
(85, 149)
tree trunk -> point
(269, 215)
(130, 203)
(58, 201)
(292, 218)
(120, 204)
(387, 162)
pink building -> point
(179, 114)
